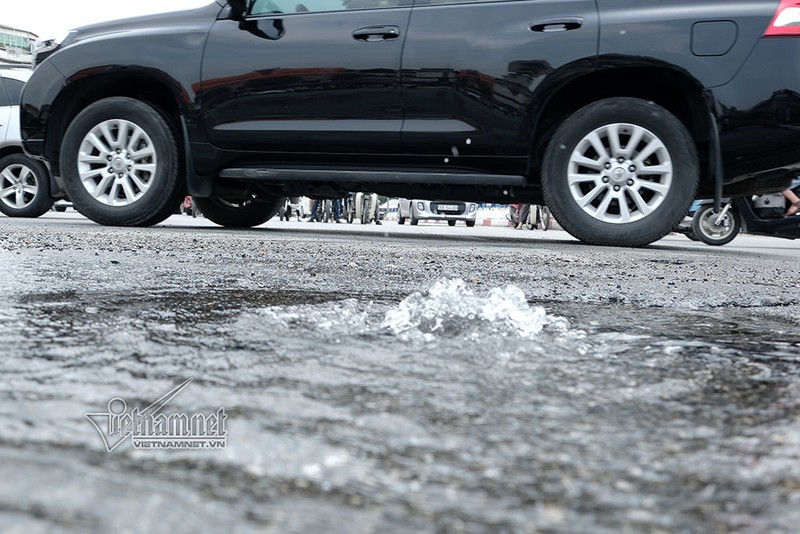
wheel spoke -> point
(661, 189)
(138, 182)
(20, 199)
(127, 189)
(9, 175)
(93, 160)
(97, 143)
(146, 152)
(101, 188)
(134, 139)
(613, 139)
(602, 209)
(624, 210)
(633, 142)
(598, 146)
(87, 175)
(587, 162)
(663, 168)
(113, 193)
(591, 195)
(576, 178)
(108, 136)
(647, 151)
(7, 192)
(641, 205)
(30, 189)
(122, 134)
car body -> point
(431, 210)
(24, 182)
(615, 113)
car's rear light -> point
(786, 22)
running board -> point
(373, 177)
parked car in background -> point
(430, 210)
(24, 182)
(616, 114)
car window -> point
(266, 7)
(4, 100)
(14, 90)
(444, 2)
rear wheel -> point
(239, 213)
(24, 187)
(451, 223)
(120, 163)
(544, 217)
(366, 209)
(711, 229)
(414, 221)
(621, 172)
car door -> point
(307, 76)
(473, 73)
(5, 112)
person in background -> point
(791, 196)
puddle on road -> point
(449, 410)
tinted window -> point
(442, 2)
(265, 7)
(4, 101)
(14, 89)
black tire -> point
(544, 212)
(159, 172)
(451, 223)
(365, 209)
(25, 183)
(470, 224)
(414, 221)
(60, 209)
(401, 220)
(612, 190)
(239, 213)
(705, 228)
(350, 206)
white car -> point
(24, 182)
(450, 211)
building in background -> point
(15, 45)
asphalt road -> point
(398, 379)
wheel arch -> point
(672, 89)
(147, 87)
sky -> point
(51, 18)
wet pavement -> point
(460, 382)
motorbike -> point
(759, 215)
(537, 216)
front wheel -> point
(620, 172)
(120, 163)
(711, 229)
(24, 187)
(239, 213)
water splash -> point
(451, 309)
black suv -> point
(615, 113)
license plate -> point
(448, 207)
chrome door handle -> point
(557, 25)
(377, 33)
